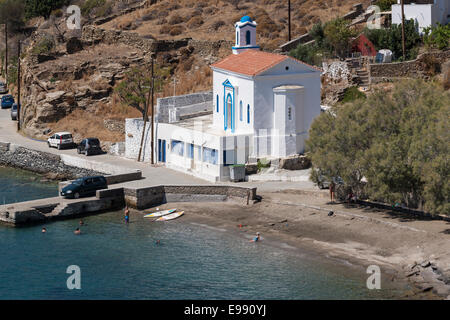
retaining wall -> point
(418, 68)
(12, 155)
(145, 198)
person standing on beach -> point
(127, 215)
(332, 188)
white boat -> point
(171, 216)
(159, 213)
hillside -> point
(68, 82)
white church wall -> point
(133, 137)
(243, 92)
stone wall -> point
(201, 100)
(40, 162)
(94, 35)
(417, 68)
(133, 138)
(148, 197)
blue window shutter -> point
(217, 103)
(248, 113)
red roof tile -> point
(252, 62)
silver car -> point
(14, 112)
(3, 88)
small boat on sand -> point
(171, 216)
(159, 213)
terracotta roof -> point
(252, 62)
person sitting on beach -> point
(44, 230)
(77, 231)
(257, 238)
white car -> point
(60, 140)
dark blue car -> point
(7, 101)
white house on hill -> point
(426, 12)
(263, 106)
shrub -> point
(175, 19)
(44, 46)
(385, 5)
(195, 22)
(176, 30)
(217, 24)
(352, 94)
(165, 29)
(437, 37)
(43, 8)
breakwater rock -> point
(52, 165)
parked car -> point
(7, 101)
(60, 140)
(89, 146)
(3, 88)
(14, 111)
(86, 186)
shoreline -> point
(418, 279)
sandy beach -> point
(408, 251)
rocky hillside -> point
(69, 77)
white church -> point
(263, 107)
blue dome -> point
(246, 19)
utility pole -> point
(403, 30)
(18, 86)
(6, 53)
(153, 113)
(289, 20)
(149, 98)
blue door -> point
(161, 150)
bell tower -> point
(245, 35)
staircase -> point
(362, 77)
(57, 211)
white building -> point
(425, 12)
(263, 106)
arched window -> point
(237, 38)
(289, 113)
(240, 111)
(217, 103)
(229, 114)
(248, 113)
(247, 37)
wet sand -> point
(408, 251)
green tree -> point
(338, 34)
(42, 8)
(385, 5)
(437, 36)
(135, 87)
(397, 142)
(391, 38)
(11, 11)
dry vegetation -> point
(214, 19)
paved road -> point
(152, 175)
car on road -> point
(7, 101)
(14, 111)
(60, 140)
(86, 186)
(89, 147)
(3, 88)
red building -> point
(364, 46)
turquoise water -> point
(193, 261)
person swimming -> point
(44, 230)
(257, 238)
(81, 223)
(127, 215)
(77, 231)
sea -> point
(176, 260)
